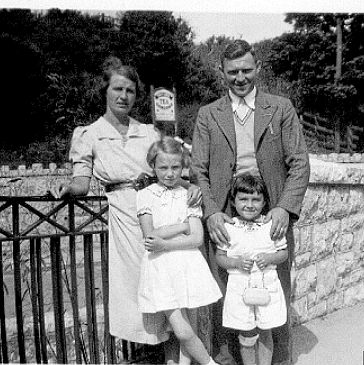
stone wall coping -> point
(336, 170)
(333, 168)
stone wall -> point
(328, 268)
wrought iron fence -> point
(53, 288)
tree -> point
(310, 59)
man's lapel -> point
(225, 121)
(262, 116)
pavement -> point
(336, 339)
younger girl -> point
(251, 260)
(174, 275)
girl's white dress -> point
(172, 279)
(250, 239)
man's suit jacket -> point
(280, 149)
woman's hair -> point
(249, 184)
(113, 65)
(167, 145)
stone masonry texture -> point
(328, 265)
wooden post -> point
(337, 135)
(339, 48)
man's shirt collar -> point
(248, 99)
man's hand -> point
(280, 221)
(216, 228)
(194, 196)
(154, 244)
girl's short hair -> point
(167, 145)
(249, 184)
(113, 65)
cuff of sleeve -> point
(81, 170)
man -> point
(249, 131)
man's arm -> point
(295, 186)
(297, 160)
(199, 173)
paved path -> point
(336, 339)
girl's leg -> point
(184, 356)
(265, 347)
(248, 345)
(189, 341)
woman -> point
(114, 149)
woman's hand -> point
(79, 186)
(61, 191)
(194, 196)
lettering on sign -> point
(164, 105)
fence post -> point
(337, 135)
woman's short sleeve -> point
(143, 202)
(195, 211)
(81, 152)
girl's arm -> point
(274, 258)
(182, 242)
(146, 223)
(241, 263)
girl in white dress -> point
(174, 275)
(251, 259)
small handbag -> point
(254, 295)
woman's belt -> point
(137, 184)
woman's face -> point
(120, 95)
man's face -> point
(240, 74)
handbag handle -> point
(250, 277)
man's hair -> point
(249, 184)
(237, 48)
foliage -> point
(52, 64)
(307, 59)
(58, 87)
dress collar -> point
(249, 99)
(249, 225)
(160, 190)
(106, 130)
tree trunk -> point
(339, 48)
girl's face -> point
(168, 168)
(249, 206)
(120, 95)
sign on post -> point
(164, 109)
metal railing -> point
(58, 308)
